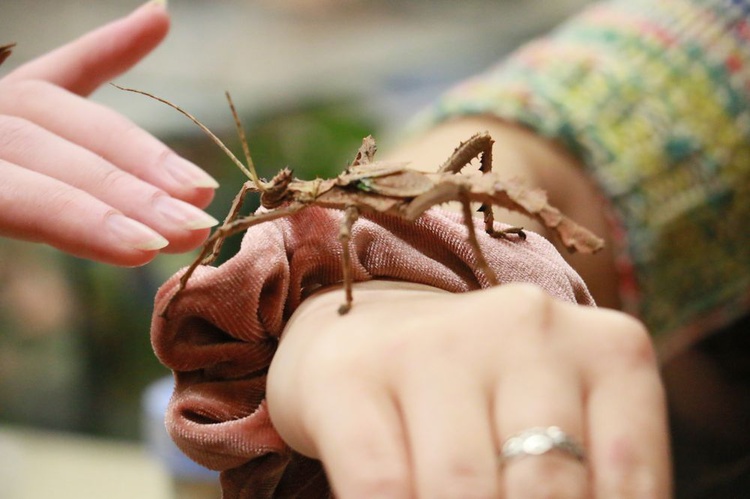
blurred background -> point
(310, 79)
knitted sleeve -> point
(653, 98)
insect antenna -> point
(243, 141)
(249, 170)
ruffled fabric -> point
(223, 329)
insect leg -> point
(472, 237)
(234, 211)
(489, 224)
(478, 146)
(221, 233)
(503, 234)
(351, 213)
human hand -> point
(80, 177)
(413, 393)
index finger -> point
(98, 56)
(72, 220)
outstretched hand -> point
(414, 392)
(79, 176)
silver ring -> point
(538, 441)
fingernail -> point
(187, 173)
(153, 3)
(184, 215)
(135, 234)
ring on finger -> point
(538, 441)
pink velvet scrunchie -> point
(223, 328)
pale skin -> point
(411, 393)
(79, 176)
(424, 386)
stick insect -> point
(390, 188)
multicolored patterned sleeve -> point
(654, 97)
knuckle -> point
(531, 307)
(532, 300)
(124, 126)
(527, 293)
(114, 180)
(627, 341)
(161, 155)
(523, 303)
(61, 207)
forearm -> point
(540, 162)
(651, 98)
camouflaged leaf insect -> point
(390, 188)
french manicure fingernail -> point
(184, 215)
(134, 234)
(153, 3)
(186, 173)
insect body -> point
(389, 188)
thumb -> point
(98, 56)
